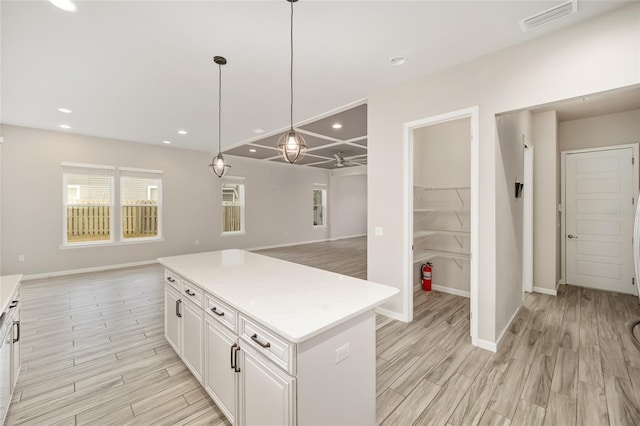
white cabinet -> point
(267, 394)
(221, 372)
(172, 315)
(15, 346)
(10, 340)
(5, 366)
(192, 329)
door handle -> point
(17, 324)
(236, 350)
(178, 314)
(572, 236)
(233, 361)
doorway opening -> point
(441, 187)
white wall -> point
(348, 203)
(442, 159)
(511, 129)
(278, 201)
(603, 130)
(546, 218)
(598, 55)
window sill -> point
(111, 243)
(230, 234)
(319, 226)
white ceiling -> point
(141, 71)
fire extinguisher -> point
(426, 276)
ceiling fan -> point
(341, 161)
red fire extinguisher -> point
(426, 276)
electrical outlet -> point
(342, 353)
(21, 258)
(379, 231)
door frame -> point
(473, 114)
(563, 195)
(527, 222)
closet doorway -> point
(441, 190)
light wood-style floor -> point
(94, 353)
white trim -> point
(473, 114)
(346, 237)
(136, 170)
(485, 344)
(506, 328)
(85, 270)
(545, 291)
(233, 179)
(527, 220)
(445, 289)
(391, 314)
(563, 157)
(86, 166)
(108, 243)
(286, 245)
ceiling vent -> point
(549, 15)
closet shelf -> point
(425, 255)
(430, 232)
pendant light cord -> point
(291, 69)
(219, 107)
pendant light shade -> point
(291, 145)
(218, 165)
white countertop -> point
(8, 284)
(295, 301)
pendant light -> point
(218, 165)
(291, 146)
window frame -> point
(233, 180)
(143, 174)
(319, 187)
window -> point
(90, 215)
(140, 201)
(319, 206)
(233, 206)
(87, 201)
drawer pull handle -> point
(178, 314)
(171, 280)
(17, 324)
(14, 303)
(236, 350)
(255, 339)
(215, 311)
(189, 292)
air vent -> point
(549, 15)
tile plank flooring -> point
(94, 352)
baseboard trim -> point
(445, 289)
(545, 291)
(391, 314)
(485, 344)
(287, 245)
(506, 328)
(85, 270)
(347, 237)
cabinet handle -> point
(171, 280)
(14, 303)
(178, 314)
(17, 339)
(255, 339)
(215, 311)
(233, 364)
(236, 350)
(189, 292)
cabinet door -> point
(267, 394)
(172, 312)
(15, 350)
(192, 331)
(221, 380)
(5, 370)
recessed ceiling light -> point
(398, 60)
(64, 5)
(167, 142)
(65, 110)
(65, 126)
(259, 130)
(252, 150)
(336, 126)
(182, 132)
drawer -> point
(221, 312)
(192, 293)
(172, 279)
(277, 349)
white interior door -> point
(599, 191)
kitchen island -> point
(274, 342)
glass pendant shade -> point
(219, 166)
(291, 146)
